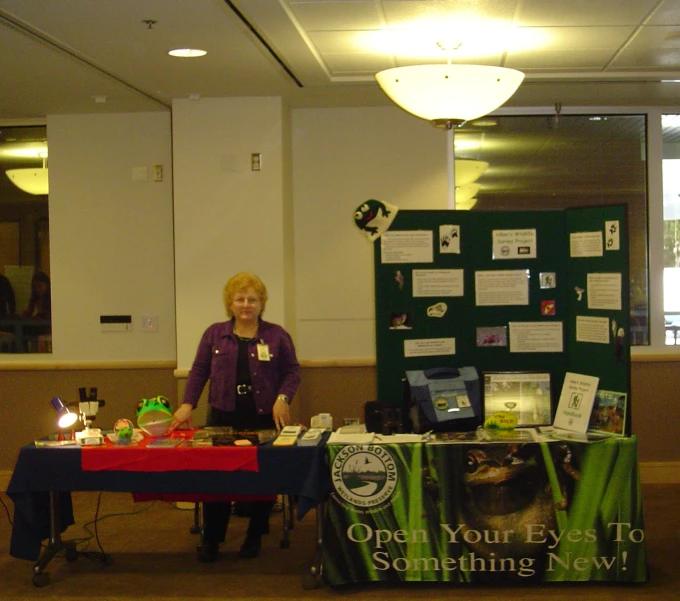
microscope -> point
(88, 406)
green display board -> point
(540, 291)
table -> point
(43, 479)
(26, 335)
(485, 513)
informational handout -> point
(514, 244)
(612, 235)
(576, 402)
(437, 282)
(585, 244)
(604, 291)
(536, 336)
(408, 246)
(429, 347)
(501, 287)
(592, 329)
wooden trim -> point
(338, 363)
(308, 363)
(660, 357)
(660, 472)
(84, 365)
(637, 357)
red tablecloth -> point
(140, 458)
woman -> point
(40, 302)
(254, 374)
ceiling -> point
(76, 56)
(80, 56)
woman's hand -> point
(281, 413)
(183, 414)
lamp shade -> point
(449, 92)
(65, 418)
(33, 181)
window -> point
(561, 161)
(25, 291)
(671, 228)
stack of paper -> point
(351, 438)
(311, 437)
(288, 437)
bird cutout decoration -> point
(374, 217)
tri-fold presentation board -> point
(541, 293)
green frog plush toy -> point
(154, 415)
(124, 430)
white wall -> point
(227, 217)
(342, 157)
(111, 237)
(113, 250)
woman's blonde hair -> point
(240, 282)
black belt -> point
(242, 389)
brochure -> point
(576, 402)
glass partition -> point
(671, 227)
(25, 287)
(556, 162)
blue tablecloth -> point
(299, 471)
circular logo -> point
(441, 403)
(364, 475)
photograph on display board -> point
(525, 394)
(401, 320)
(492, 336)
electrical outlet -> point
(256, 161)
(149, 323)
(158, 173)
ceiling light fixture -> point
(466, 193)
(32, 181)
(465, 205)
(448, 95)
(187, 52)
(469, 171)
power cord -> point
(100, 556)
(9, 516)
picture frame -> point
(527, 394)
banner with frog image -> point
(485, 513)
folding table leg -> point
(196, 526)
(288, 520)
(312, 580)
(55, 544)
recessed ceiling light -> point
(187, 52)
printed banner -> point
(485, 513)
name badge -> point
(263, 352)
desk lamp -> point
(65, 417)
